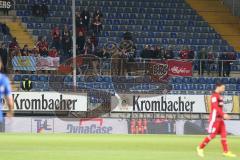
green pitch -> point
(108, 147)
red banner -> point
(179, 68)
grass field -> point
(107, 147)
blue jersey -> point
(5, 90)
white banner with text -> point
(48, 101)
(169, 103)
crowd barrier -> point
(157, 68)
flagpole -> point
(74, 44)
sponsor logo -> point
(161, 104)
(125, 102)
(228, 104)
(42, 103)
(42, 125)
(228, 101)
(90, 126)
(180, 70)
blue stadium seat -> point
(43, 78)
(200, 87)
(202, 80)
(186, 80)
(232, 87)
(208, 87)
(238, 80)
(190, 87)
(238, 87)
(178, 80)
(216, 80)
(80, 79)
(26, 76)
(194, 80)
(232, 80)
(224, 80)
(17, 77)
(184, 87)
(34, 78)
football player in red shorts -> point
(216, 122)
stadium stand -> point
(168, 23)
(218, 16)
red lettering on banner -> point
(179, 68)
(99, 120)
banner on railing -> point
(48, 101)
(30, 63)
(48, 63)
(6, 4)
(169, 103)
(24, 63)
(161, 69)
(179, 68)
(158, 70)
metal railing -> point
(92, 65)
(140, 66)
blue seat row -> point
(157, 28)
(203, 80)
(20, 77)
(51, 13)
(175, 41)
(125, 21)
(157, 22)
(121, 80)
(103, 3)
(54, 2)
(155, 4)
(153, 16)
(127, 87)
(207, 36)
(174, 21)
(208, 87)
(135, 9)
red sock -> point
(205, 142)
(224, 145)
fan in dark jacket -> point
(80, 42)
(4, 56)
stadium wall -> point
(112, 126)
